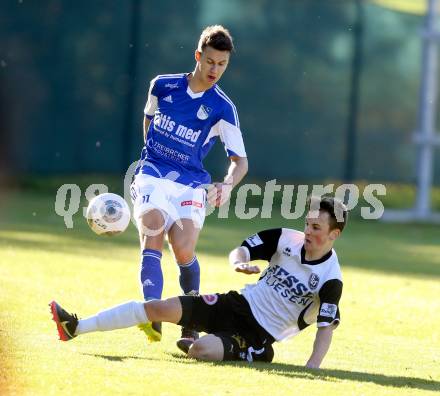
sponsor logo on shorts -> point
(210, 299)
(240, 341)
(192, 203)
(313, 281)
(328, 310)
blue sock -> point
(189, 278)
(151, 274)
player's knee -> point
(202, 350)
(183, 254)
(155, 310)
(152, 223)
(199, 350)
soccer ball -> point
(108, 214)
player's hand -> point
(247, 268)
(219, 193)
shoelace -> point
(72, 314)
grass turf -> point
(388, 342)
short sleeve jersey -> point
(292, 293)
(184, 126)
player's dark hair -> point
(217, 37)
(333, 206)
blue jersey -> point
(184, 126)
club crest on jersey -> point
(203, 112)
(287, 251)
(210, 299)
(313, 281)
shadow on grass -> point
(114, 358)
(295, 371)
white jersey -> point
(292, 293)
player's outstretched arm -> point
(239, 260)
(321, 346)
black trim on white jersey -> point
(266, 245)
(329, 295)
(302, 324)
(314, 262)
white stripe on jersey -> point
(213, 132)
(151, 105)
(234, 109)
(162, 76)
(230, 136)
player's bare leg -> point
(151, 227)
(169, 310)
(208, 347)
(183, 238)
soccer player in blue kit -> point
(184, 115)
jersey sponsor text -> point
(165, 123)
(287, 285)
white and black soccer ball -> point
(108, 214)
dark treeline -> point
(66, 79)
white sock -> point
(125, 315)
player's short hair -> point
(217, 37)
(333, 206)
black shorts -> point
(229, 317)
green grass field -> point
(388, 342)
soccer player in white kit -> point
(184, 115)
(301, 285)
